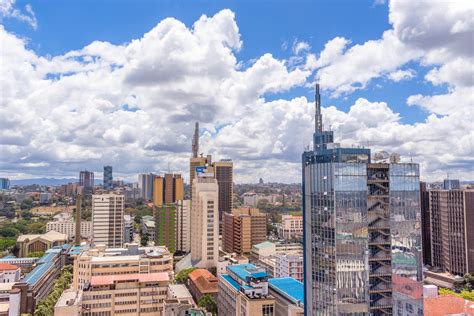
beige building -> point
(183, 225)
(205, 221)
(291, 227)
(116, 261)
(107, 220)
(198, 162)
(243, 228)
(68, 227)
(39, 242)
(168, 189)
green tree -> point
(209, 303)
(46, 306)
(9, 231)
(144, 240)
(27, 204)
(36, 254)
(182, 275)
(6, 243)
(138, 219)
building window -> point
(267, 310)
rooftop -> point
(448, 305)
(50, 236)
(231, 281)
(288, 287)
(179, 291)
(140, 277)
(43, 265)
(205, 281)
(242, 271)
(264, 245)
(7, 266)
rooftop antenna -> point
(318, 118)
(195, 145)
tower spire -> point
(196, 140)
(318, 118)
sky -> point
(85, 84)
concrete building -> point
(224, 173)
(362, 230)
(165, 226)
(183, 226)
(168, 190)
(205, 221)
(448, 216)
(230, 259)
(180, 291)
(127, 229)
(197, 162)
(243, 291)
(145, 184)
(45, 197)
(202, 282)
(289, 296)
(68, 227)
(149, 228)
(70, 189)
(107, 219)
(291, 227)
(9, 273)
(243, 228)
(117, 261)
(86, 181)
(287, 265)
(39, 242)
(4, 184)
(108, 181)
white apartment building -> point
(291, 227)
(9, 273)
(289, 266)
(205, 219)
(68, 227)
(107, 220)
(183, 225)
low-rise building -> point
(291, 227)
(264, 254)
(243, 291)
(289, 266)
(9, 273)
(39, 242)
(202, 282)
(182, 307)
(289, 296)
(127, 229)
(181, 292)
(68, 227)
(26, 264)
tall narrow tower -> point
(318, 118)
(196, 140)
(77, 239)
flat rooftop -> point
(291, 288)
(140, 277)
(244, 270)
(179, 291)
(66, 296)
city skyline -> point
(255, 105)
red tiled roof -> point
(204, 280)
(447, 305)
(200, 272)
(140, 277)
(7, 266)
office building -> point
(243, 291)
(148, 227)
(362, 230)
(183, 226)
(205, 221)
(291, 227)
(107, 220)
(68, 227)
(196, 163)
(39, 242)
(448, 218)
(165, 227)
(4, 184)
(264, 254)
(168, 190)
(451, 184)
(289, 296)
(243, 228)
(223, 171)
(145, 184)
(202, 282)
(86, 181)
(102, 261)
(289, 265)
(108, 178)
(128, 229)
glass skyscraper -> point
(108, 178)
(361, 231)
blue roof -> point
(244, 270)
(43, 265)
(231, 281)
(289, 287)
(77, 250)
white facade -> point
(183, 225)
(69, 228)
(145, 183)
(10, 274)
(291, 227)
(289, 266)
(205, 221)
(107, 219)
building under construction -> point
(362, 230)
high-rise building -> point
(86, 180)
(223, 171)
(362, 230)
(183, 225)
(108, 178)
(243, 228)
(145, 183)
(205, 221)
(4, 183)
(168, 190)
(451, 184)
(243, 291)
(165, 226)
(107, 220)
(448, 218)
(196, 163)
(195, 146)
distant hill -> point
(47, 181)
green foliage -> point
(46, 306)
(36, 227)
(143, 210)
(27, 204)
(36, 254)
(467, 295)
(137, 219)
(182, 276)
(6, 243)
(209, 303)
(144, 240)
(466, 283)
(9, 231)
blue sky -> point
(395, 72)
